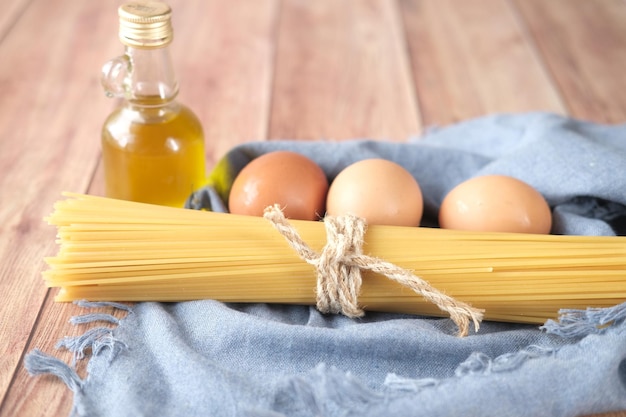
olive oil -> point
(152, 145)
(153, 154)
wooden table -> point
(267, 70)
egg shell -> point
(378, 190)
(291, 180)
(495, 203)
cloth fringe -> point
(480, 363)
(98, 304)
(95, 340)
(574, 323)
(398, 384)
(91, 318)
(477, 363)
(324, 391)
(38, 363)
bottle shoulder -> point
(128, 115)
(133, 126)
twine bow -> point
(339, 268)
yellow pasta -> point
(117, 250)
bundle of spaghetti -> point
(113, 250)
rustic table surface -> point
(267, 70)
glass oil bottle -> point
(152, 145)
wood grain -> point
(267, 69)
(11, 10)
(583, 43)
(49, 144)
(473, 58)
(224, 59)
(342, 73)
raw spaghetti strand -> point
(339, 268)
(113, 250)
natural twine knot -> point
(339, 268)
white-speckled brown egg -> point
(495, 203)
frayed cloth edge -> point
(38, 363)
(326, 387)
(574, 323)
(477, 363)
(96, 340)
(329, 391)
(481, 364)
(321, 390)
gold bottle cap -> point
(145, 24)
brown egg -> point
(378, 190)
(495, 203)
(288, 179)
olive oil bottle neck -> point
(142, 76)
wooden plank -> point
(342, 73)
(473, 58)
(49, 127)
(584, 46)
(216, 93)
(224, 59)
(11, 12)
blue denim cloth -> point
(206, 358)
